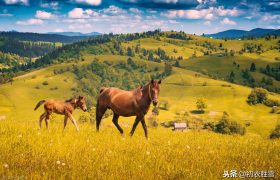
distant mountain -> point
(28, 36)
(235, 33)
(76, 33)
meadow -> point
(29, 153)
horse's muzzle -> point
(85, 110)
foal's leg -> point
(47, 120)
(73, 121)
(115, 121)
(65, 121)
(41, 119)
(144, 127)
(137, 120)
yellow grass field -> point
(27, 153)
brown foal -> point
(65, 108)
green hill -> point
(191, 67)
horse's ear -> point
(152, 81)
(159, 82)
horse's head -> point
(154, 91)
(81, 103)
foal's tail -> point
(39, 104)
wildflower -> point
(6, 166)
(93, 149)
(63, 164)
(58, 162)
(87, 140)
(20, 136)
(188, 147)
(39, 133)
(110, 151)
(140, 166)
(148, 153)
(169, 143)
(198, 147)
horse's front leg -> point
(144, 127)
(137, 120)
(73, 121)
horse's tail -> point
(39, 104)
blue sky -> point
(124, 16)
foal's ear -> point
(159, 82)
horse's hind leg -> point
(41, 119)
(115, 121)
(137, 120)
(99, 114)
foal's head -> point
(154, 91)
(81, 103)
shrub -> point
(33, 77)
(201, 104)
(258, 95)
(275, 133)
(272, 102)
(84, 118)
(45, 83)
(155, 111)
(226, 126)
(163, 105)
(37, 87)
(54, 88)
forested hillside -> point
(253, 63)
(36, 37)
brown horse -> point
(128, 103)
(65, 108)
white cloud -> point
(208, 14)
(189, 14)
(270, 17)
(227, 21)
(113, 10)
(89, 2)
(44, 15)
(173, 22)
(52, 5)
(79, 13)
(5, 13)
(207, 23)
(221, 11)
(80, 26)
(135, 10)
(30, 22)
(22, 2)
(58, 30)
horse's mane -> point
(70, 100)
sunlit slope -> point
(180, 90)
